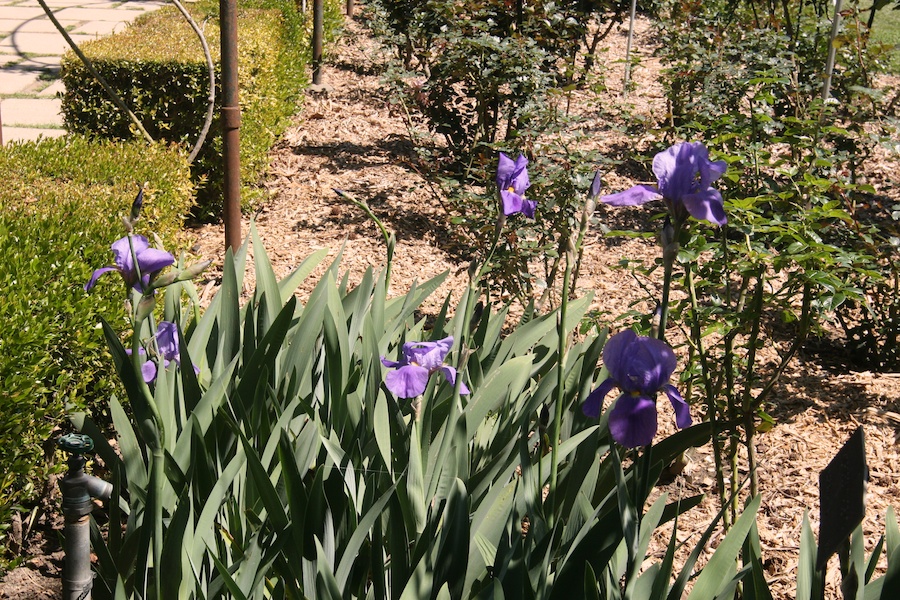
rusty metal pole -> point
(318, 33)
(350, 8)
(231, 124)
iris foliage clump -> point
(281, 452)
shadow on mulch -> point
(349, 156)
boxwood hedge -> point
(61, 204)
(157, 67)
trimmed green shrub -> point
(157, 66)
(60, 209)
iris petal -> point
(594, 402)
(635, 196)
(430, 355)
(505, 169)
(391, 364)
(407, 382)
(632, 421)
(512, 202)
(90, 284)
(450, 376)
(167, 340)
(615, 353)
(641, 367)
(152, 260)
(512, 181)
(528, 207)
(519, 181)
(648, 365)
(682, 410)
(122, 251)
(148, 371)
(706, 205)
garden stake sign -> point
(842, 489)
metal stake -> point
(318, 31)
(231, 123)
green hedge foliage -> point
(60, 208)
(157, 66)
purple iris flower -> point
(639, 366)
(149, 262)
(684, 174)
(167, 350)
(512, 181)
(420, 360)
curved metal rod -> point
(212, 81)
(90, 67)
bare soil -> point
(347, 136)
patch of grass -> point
(886, 30)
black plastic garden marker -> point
(842, 489)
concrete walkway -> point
(30, 51)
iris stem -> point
(155, 431)
(388, 241)
(562, 351)
(711, 407)
(669, 256)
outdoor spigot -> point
(78, 489)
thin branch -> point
(212, 81)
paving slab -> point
(30, 111)
(53, 90)
(30, 52)
(23, 13)
(36, 25)
(54, 4)
(17, 82)
(47, 64)
(29, 134)
(99, 14)
(42, 43)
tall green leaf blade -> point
(230, 584)
(720, 568)
(289, 284)
(327, 587)
(132, 454)
(352, 547)
(891, 579)
(267, 291)
(229, 320)
(204, 414)
(262, 482)
(204, 338)
(499, 387)
(808, 578)
(204, 531)
(270, 346)
(755, 586)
